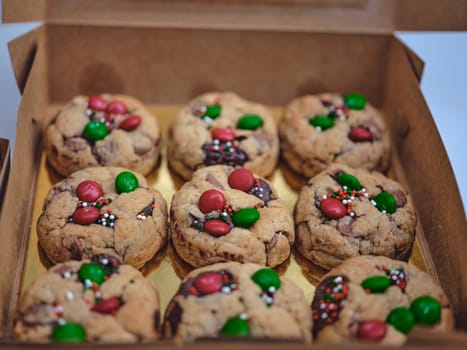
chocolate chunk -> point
(272, 243)
(173, 317)
(37, 314)
(75, 250)
(76, 144)
(400, 198)
(262, 190)
(213, 181)
(185, 287)
(234, 156)
(157, 319)
(344, 225)
(110, 263)
(332, 291)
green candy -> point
(95, 130)
(92, 272)
(350, 181)
(402, 319)
(236, 327)
(250, 122)
(69, 333)
(245, 217)
(426, 309)
(126, 182)
(385, 202)
(376, 284)
(321, 121)
(355, 100)
(267, 278)
(213, 111)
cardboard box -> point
(4, 168)
(166, 52)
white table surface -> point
(444, 85)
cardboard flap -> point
(22, 52)
(364, 16)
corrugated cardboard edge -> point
(411, 121)
(4, 168)
(19, 195)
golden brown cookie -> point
(223, 128)
(103, 210)
(344, 212)
(378, 300)
(84, 301)
(237, 300)
(227, 214)
(317, 130)
(107, 130)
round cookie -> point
(107, 130)
(237, 300)
(317, 130)
(344, 212)
(84, 301)
(226, 214)
(222, 128)
(379, 300)
(103, 210)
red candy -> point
(373, 330)
(116, 107)
(241, 179)
(333, 208)
(223, 134)
(129, 123)
(216, 227)
(97, 103)
(208, 283)
(89, 191)
(86, 216)
(107, 306)
(360, 134)
(211, 200)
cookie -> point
(344, 212)
(103, 210)
(223, 128)
(317, 130)
(89, 301)
(227, 214)
(237, 300)
(107, 130)
(378, 300)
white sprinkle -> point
(373, 202)
(352, 198)
(228, 143)
(394, 277)
(231, 150)
(225, 289)
(216, 141)
(318, 128)
(112, 217)
(260, 195)
(324, 315)
(70, 295)
(88, 112)
(106, 215)
(84, 204)
(243, 316)
(344, 187)
(143, 218)
(207, 120)
(352, 214)
(88, 283)
(338, 279)
(363, 189)
(325, 196)
(344, 201)
(111, 224)
(271, 289)
(322, 306)
(366, 195)
(216, 147)
(61, 321)
(67, 274)
(102, 120)
(105, 261)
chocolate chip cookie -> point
(237, 300)
(344, 212)
(222, 128)
(317, 130)
(103, 210)
(107, 130)
(229, 214)
(378, 300)
(89, 301)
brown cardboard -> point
(370, 16)
(4, 168)
(171, 65)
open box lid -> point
(364, 16)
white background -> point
(444, 85)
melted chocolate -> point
(329, 293)
(148, 209)
(262, 190)
(173, 317)
(217, 155)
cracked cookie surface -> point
(131, 226)
(357, 138)
(237, 300)
(226, 214)
(378, 300)
(333, 224)
(223, 128)
(107, 130)
(68, 303)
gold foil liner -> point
(166, 269)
